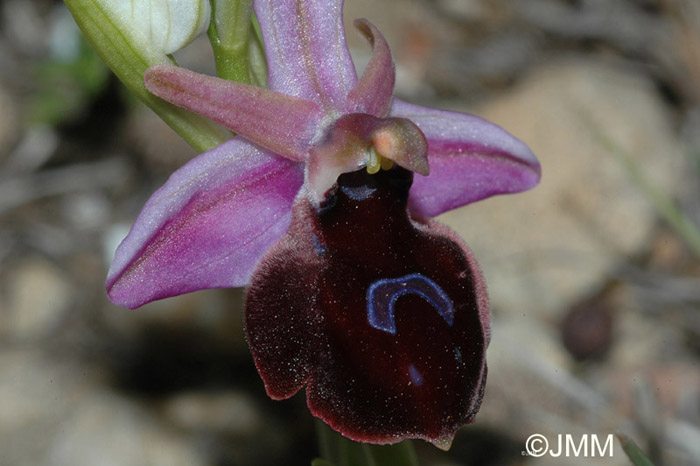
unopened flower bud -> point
(166, 25)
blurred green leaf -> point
(398, 454)
(664, 204)
(65, 87)
(321, 462)
(633, 452)
(337, 450)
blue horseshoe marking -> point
(416, 377)
(383, 293)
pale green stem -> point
(130, 62)
(337, 450)
(662, 202)
(229, 33)
(633, 452)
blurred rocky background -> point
(594, 275)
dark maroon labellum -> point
(384, 319)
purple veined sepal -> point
(470, 159)
(208, 226)
(306, 52)
(384, 320)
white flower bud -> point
(166, 25)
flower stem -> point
(229, 33)
(401, 453)
(337, 450)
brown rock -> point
(38, 298)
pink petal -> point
(373, 92)
(278, 122)
(306, 52)
(207, 227)
(470, 159)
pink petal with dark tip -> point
(306, 52)
(470, 159)
(374, 90)
(207, 227)
(283, 124)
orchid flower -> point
(322, 206)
